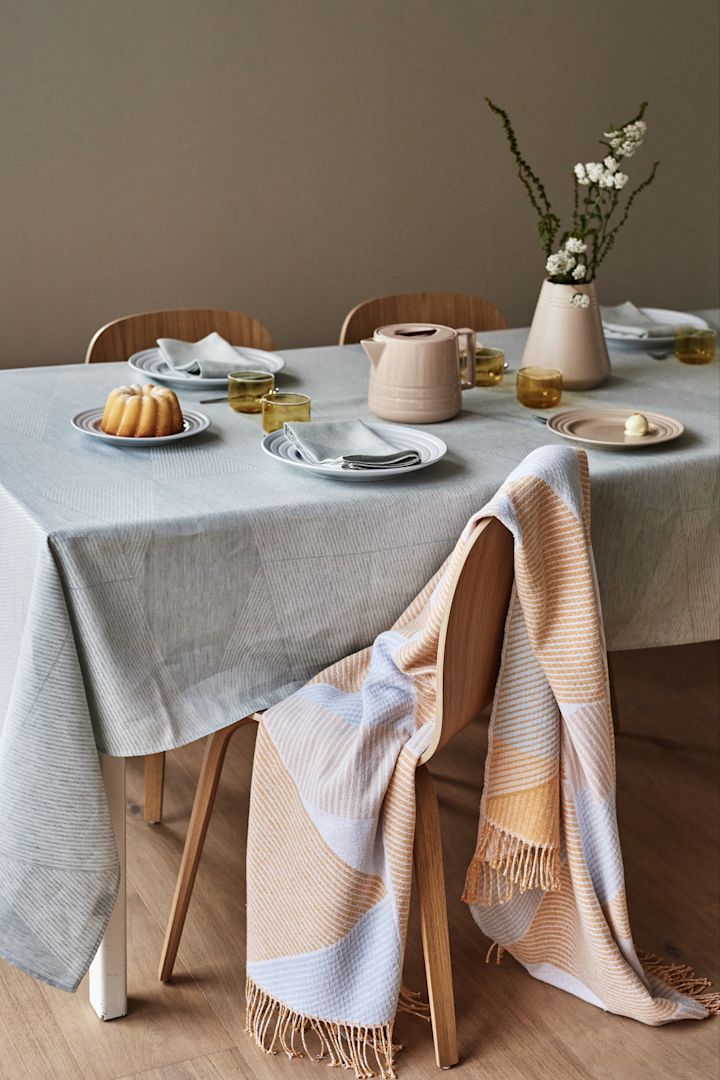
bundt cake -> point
(142, 412)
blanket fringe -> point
(503, 862)
(273, 1026)
(498, 955)
(682, 978)
(410, 1001)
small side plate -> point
(606, 428)
(89, 420)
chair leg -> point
(430, 880)
(215, 750)
(154, 780)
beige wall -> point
(291, 157)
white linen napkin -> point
(211, 358)
(347, 443)
(626, 320)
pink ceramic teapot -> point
(415, 372)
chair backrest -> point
(471, 636)
(445, 308)
(123, 337)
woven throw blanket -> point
(332, 810)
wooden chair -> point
(468, 662)
(448, 309)
(118, 340)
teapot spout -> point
(373, 350)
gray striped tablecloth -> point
(151, 596)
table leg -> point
(108, 971)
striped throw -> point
(332, 811)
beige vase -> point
(566, 336)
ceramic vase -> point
(569, 337)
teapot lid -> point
(420, 332)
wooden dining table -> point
(154, 595)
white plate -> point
(606, 427)
(88, 422)
(659, 315)
(429, 447)
(150, 364)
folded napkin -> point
(628, 321)
(348, 443)
(210, 358)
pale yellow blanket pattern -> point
(546, 882)
(332, 813)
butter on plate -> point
(636, 424)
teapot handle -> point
(469, 383)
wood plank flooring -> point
(510, 1026)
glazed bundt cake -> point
(142, 412)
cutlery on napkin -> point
(211, 358)
(629, 321)
(347, 443)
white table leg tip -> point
(108, 972)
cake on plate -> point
(142, 412)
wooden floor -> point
(510, 1026)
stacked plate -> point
(150, 364)
(606, 428)
(429, 447)
(89, 422)
(651, 344)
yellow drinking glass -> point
(246, 389)
(489, 365)
(279, 408)
(694, 345)
(539, 387)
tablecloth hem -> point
(184, 738)
(56, 983)
(695, 637)
(69, 986)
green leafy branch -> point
(548, 222)
(591, 214)
(609, 238)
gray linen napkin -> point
(211, 358)
(347, 443)
(628, 321)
